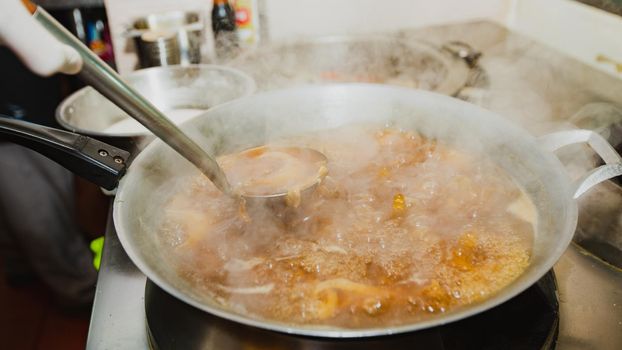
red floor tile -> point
(61, 331)
(30, 321)
(22, 315)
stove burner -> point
(529, 321)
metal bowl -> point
(369, 59)
(194, 87)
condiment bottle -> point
(226, 40)
(247, 21)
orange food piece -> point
(399, 205)
(464, 256)
(384, 172)
(255, 152)
(328, 304)
(436, 297)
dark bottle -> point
(224, 29)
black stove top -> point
(528, 321)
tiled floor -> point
(30, 321)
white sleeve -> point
(39, 50)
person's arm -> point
(38, 49)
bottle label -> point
(246, 17)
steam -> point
(544, 91)
(371, 59)
(525, 83)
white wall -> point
(578, 30)
(294, 18)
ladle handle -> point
(104, 79)
(613, 161)
(91, 159)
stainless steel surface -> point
(185, 30)
(169, 88)
(383, 59)
(98, 74)
(286, 113)
(526, 82)
(590, 291)
(118, 316)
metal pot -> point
(171, 88)
(349, 59)
(257, 119)
(163, 39)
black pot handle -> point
(98, 162)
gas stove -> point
(578, 305)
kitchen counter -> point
(524, 81)
(118, 316)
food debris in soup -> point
(401, 229)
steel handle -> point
(613, 162)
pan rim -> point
(513, 289)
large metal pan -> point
(257, 119)
(350, 59)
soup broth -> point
(401, 229)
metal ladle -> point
(104, 79)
